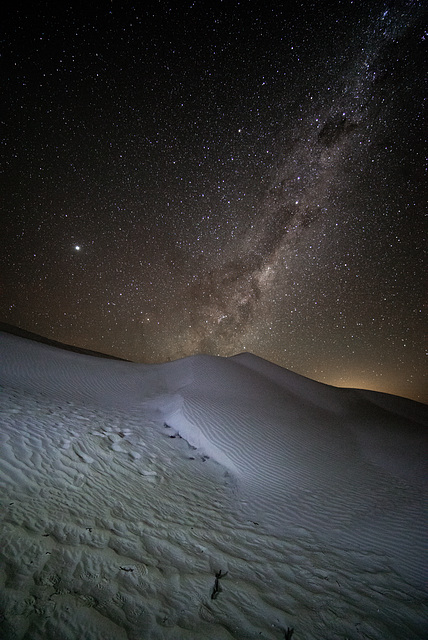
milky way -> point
(214, 179)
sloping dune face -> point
(79, 378)
(317, 490)
(310, 457)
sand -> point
(126, 488)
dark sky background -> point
(215, 177)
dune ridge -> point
(304, 467)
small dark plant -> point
(217, 588)
(288, 633)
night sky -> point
(215, 177)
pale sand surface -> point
(312, 498)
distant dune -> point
(23, 333)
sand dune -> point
(303, 465)
(312, 498)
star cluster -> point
(219, 177)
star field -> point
(220, 177)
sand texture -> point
(125, 490)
